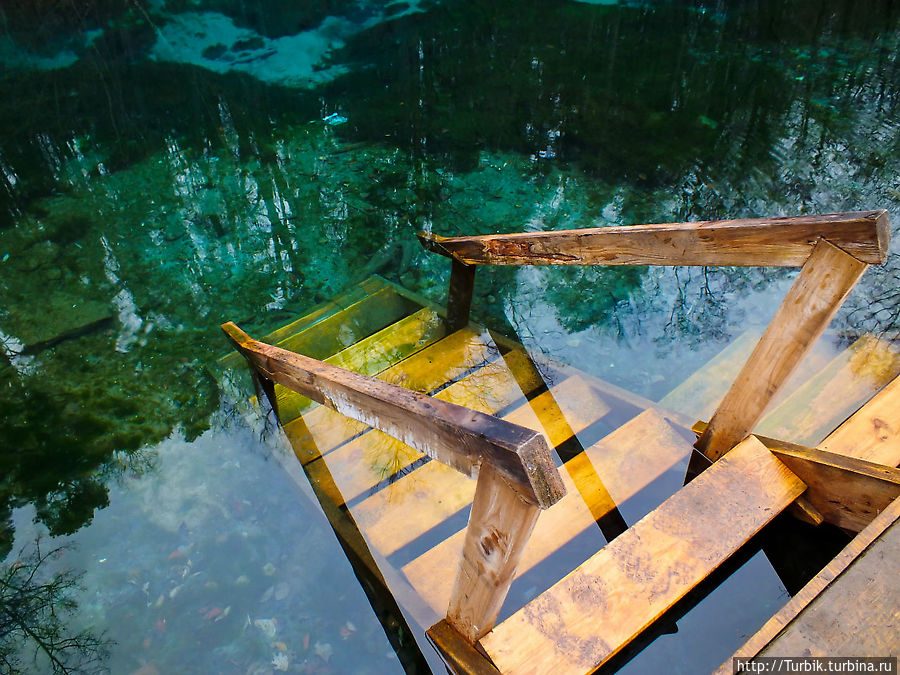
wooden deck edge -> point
(459, 656)
(782, 619)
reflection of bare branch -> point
(33, 610)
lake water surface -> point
(167, 165)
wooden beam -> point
(815, 587)
(452, 434)
(460, 656)
(499, 527)
(595, 611)
(825, 280)
(459, 295)
(770, 242)
(846, 491)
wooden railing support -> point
(825, 280)
(499, 527)
(517, 476)
(459, 295)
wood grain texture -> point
(814, 410)
(339, 303)
(600, 607)
(819, 584)
(459, 655)
(782, 242)
(499, 527)
(451, 434)
(625, 461)
(322, 429)
(435, 490)
(873, 432)
(372, 355)
(820, 288)
(846, 491)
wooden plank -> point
(452, 434)
(767, 242)
(626, 461)
(361, 319)
(859, 614)
(700, 394)
(499, 527)
(873, 432)
(364, 462)
(322, 429)
(820, 584)
(600, 607)
(459, 655)
(335, 305)
(846, 491)
(823, 283)
(826, 400)
(424, 498)
(372, 355)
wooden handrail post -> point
(499, 528)
(459, 295)
(825, 280)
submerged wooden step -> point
(700, 394)
(372, 355)
(625, 461)
(873, 432)
(321, 429)
(599, 608)
(335, 305)
(809, 414)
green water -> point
(167, 166)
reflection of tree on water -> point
(33, 613)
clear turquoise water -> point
(167, 166)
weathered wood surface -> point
(873, 432)
(825, 280)
(846, 491)
(772, 242)
(454, 435)
(700, 393)
(813, 411)
(322, 429)
(853, 607)
(423, 499)
(599, 608)
(459, 295)
(459, 655)
(372, 355)
(365, 462)
(626, 461)
(499, 527)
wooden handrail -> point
(457, 436)
(752, 242)
(517, 476)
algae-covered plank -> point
(362, 463)
(372, 355)
(873, 432)
(626, 461)
(600, 607)
(826, 400)
(322, 429)
(339, 303)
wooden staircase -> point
(400, 495)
